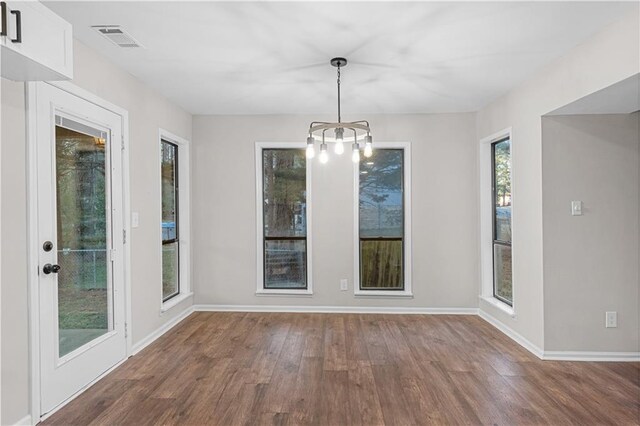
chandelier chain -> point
(339, 118)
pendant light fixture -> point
(361, 132)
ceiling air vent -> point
(116, 35)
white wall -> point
(147, 113)
(15, 372)
(610, 56)
(445, 236)
(591, 261)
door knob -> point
(49, 268)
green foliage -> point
(502, 164)
(284, 189)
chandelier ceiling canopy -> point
(359, 129)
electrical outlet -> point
(576, 208)
(344, 284)
(611, 319)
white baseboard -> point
(137, 347)
(515, 336)
(25, 421)
(591, 356)
(559, 355)
(336, 309)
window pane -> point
(502, 272)
(285, 264)
(284, 192)
(381, 195)
(170, 270)
(502, 191)
(170, 220)
(169, 157)
(381, 264)
(84, 306)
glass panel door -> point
(84, 286)
(79, 240)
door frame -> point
(33, 245)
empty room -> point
(319, 212)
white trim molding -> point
(260, 290)
(184, 217)
(591, 356)
(406, 182)
(513, 335)
(153, 336)
(336, 309)
(284, 292)
(25, 421)
(499, 304)
(558, 355)
(486, 221)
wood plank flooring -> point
(334, 369)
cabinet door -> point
(45, 49)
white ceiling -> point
(267, 57)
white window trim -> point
(260, 290)
(184, 217)
(486, 222)
(408, 290)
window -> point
(170, 222)
(382, 220)
(501, 219)
(174, 184)
(283, 200)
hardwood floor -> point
(335, 369)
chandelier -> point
(360, 129)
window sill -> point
(500, 305)
(282, 292)
(383, 293)
(174, 301)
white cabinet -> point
(37, 44)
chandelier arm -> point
(325, 126)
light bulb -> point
(355, 156)
(311, 152)
(339, 148)
(324, 156)
(368, 150)
(368, 146)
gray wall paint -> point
(147, 113)
(590, 261)
(445, 237)
(15, 369)
(608, 57)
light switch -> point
(576, 208)
(344, 284)
(135, 221)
